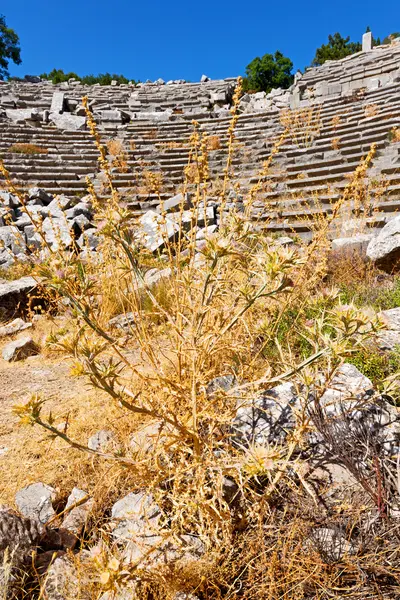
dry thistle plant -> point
(197, 348)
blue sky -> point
(148, 39)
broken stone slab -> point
(20, 115)
(357, 243)
(57, 103)
(155, 116)
(57, 231)
(19, 349)
(206, 232)
(82, 208)
(9, 200)
(155, 230)
(12, 289)
(89, 238)
(68, 122)
(35, 501)
(204, 79)
(33, 239)
(77, 517)
(384, 249)
(11, 237)
(14, 327)
(175, 202)
(38, 193)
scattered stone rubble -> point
(61, 219)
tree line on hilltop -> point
(262, 73)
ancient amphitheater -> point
(349, 105)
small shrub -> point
(27, 149)
(335, 143)
(375, 365)
(371, 110)
(213, 142)
(394, 135)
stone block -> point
(367, 42)
(68, 122)
(57, 103)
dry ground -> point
(26, 454)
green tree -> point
(9, 48)
(389, 38)
(58, 76)
(337, 47)
(268, 72)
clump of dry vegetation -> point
(27, 149)
(117, 152)
(228, 321)
(303, 125)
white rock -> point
(35, 502)
(76, 519)
(19, 349)
(384, 250)
(14, 327)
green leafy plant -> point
(268, 72)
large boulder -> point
(384, 250)
(68, 122)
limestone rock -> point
(391, 318)
(101, 440)
(19, 349)
(384, 250)
(331, 544)
(14, 327)
(268, 418)
(14, 289)
(357, 243)
(135, 520)
(68, 122)
(76, 519)
(347, 389)
(35, 502)
(38, 193)
(156, 230)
